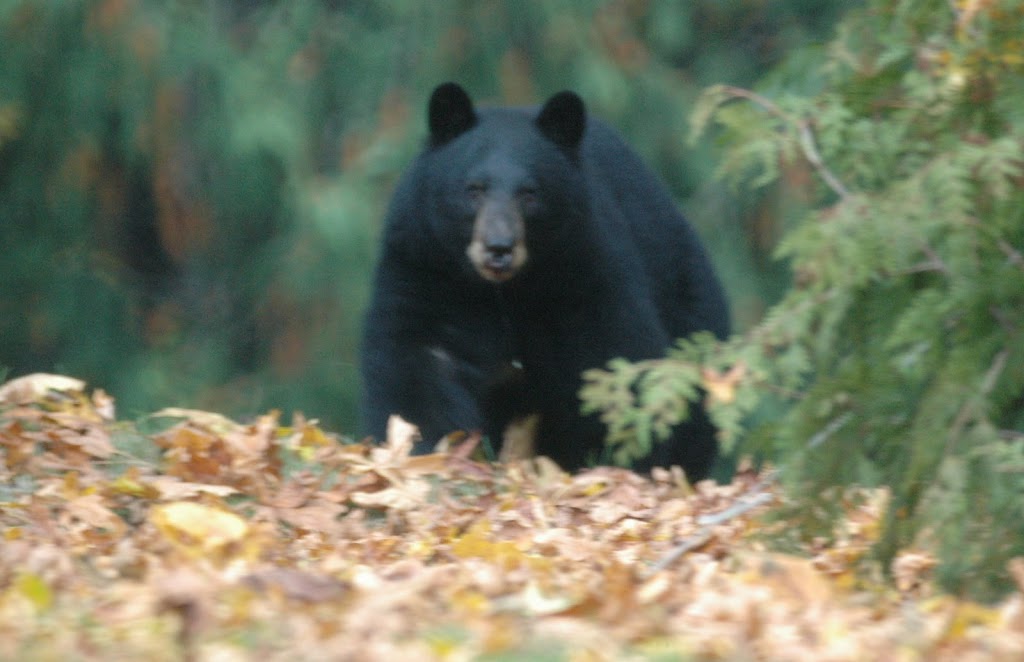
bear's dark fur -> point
(522, 247)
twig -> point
(708, 522)
(754, 498)
(933, 256)
(693, 542)
(812, 155)
(808, 145)
(763, 101)
(830, 429)
(996, 369)
(924, 267)
(1016, 259)
(988, 383)
(744, 505)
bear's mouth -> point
(496, 275)
(497, 268)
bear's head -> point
(505, 188)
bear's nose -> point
(499, 248)
(499, 258)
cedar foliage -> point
(897, 357)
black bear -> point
(522, 247)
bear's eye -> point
(527, 196)
(475, 191)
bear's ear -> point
(563, 119)
(450, 113)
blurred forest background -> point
(191, 192)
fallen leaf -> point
(405, 496)
(199, 529)
(38, 386)
(173, 489)
(912, 569)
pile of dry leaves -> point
(188, 536)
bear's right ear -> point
(563, 120)
(450, 113)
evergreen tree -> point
(897, 358)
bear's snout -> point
(497, 249)
(499, 254)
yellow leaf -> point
(198, 528)
(443, 643)
(477, 543)
(470, 601)
(969, 614)
(313, 436)
(129, 483)
(32, 587)
(721, 386)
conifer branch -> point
(808, 145)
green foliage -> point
(896, 358)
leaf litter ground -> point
(188, 536)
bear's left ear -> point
(449, 113)
(563, 119)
